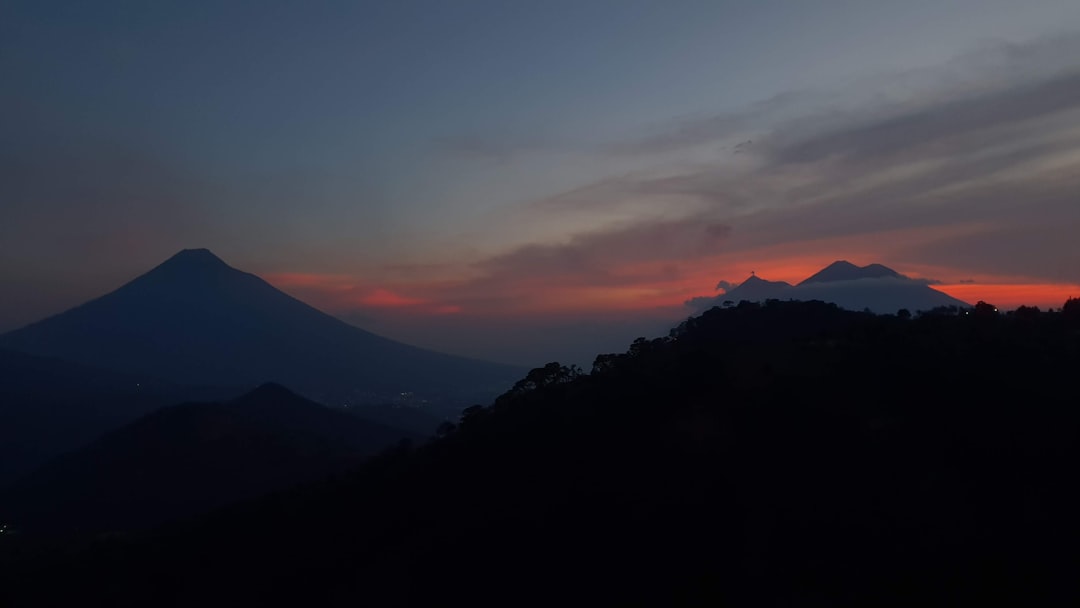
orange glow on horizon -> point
(1013, 295)
(341, 292)
(633, 289)
(384, 298)
(325, 282)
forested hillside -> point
(779, 454)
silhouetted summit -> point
(194, 319)
(194, 258)
(756, 289)
(191, 264)
(843, 270)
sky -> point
(526, 181)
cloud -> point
(601, 254)
(975, 177)
(712, 130)
(982, 72)
(937, 130)
(384, 298)
(725, 286)
(700, 303)
(961, 170)
(356, 298)
(622, 267)
(928, 282)
(948, 173)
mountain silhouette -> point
(186, 459)
(875, 287)
(196, 320)
(843, 270)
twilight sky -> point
(526, 181)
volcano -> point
(196, 320)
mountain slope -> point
(186, 459)
(196, 320)
(882, 295)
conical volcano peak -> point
(188, 266)
(195, 258)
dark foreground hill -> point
(196, 320)
(187, 459)
(49, 406)
(789, 454)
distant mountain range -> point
(875, 287)
(187, 459)
(195, 320)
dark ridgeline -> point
(781, 454)
(49, 406)
(184, 460)
(196, 320)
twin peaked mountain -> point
(875, 287)
(195, 320)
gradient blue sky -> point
(505, 178)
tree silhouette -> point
(605, 363)
(1071, 309)
(1027, 313)
(470, 415)
(985, 310)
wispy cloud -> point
(979, 176)
(982, 72)
(949, 174)
(600, 254)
